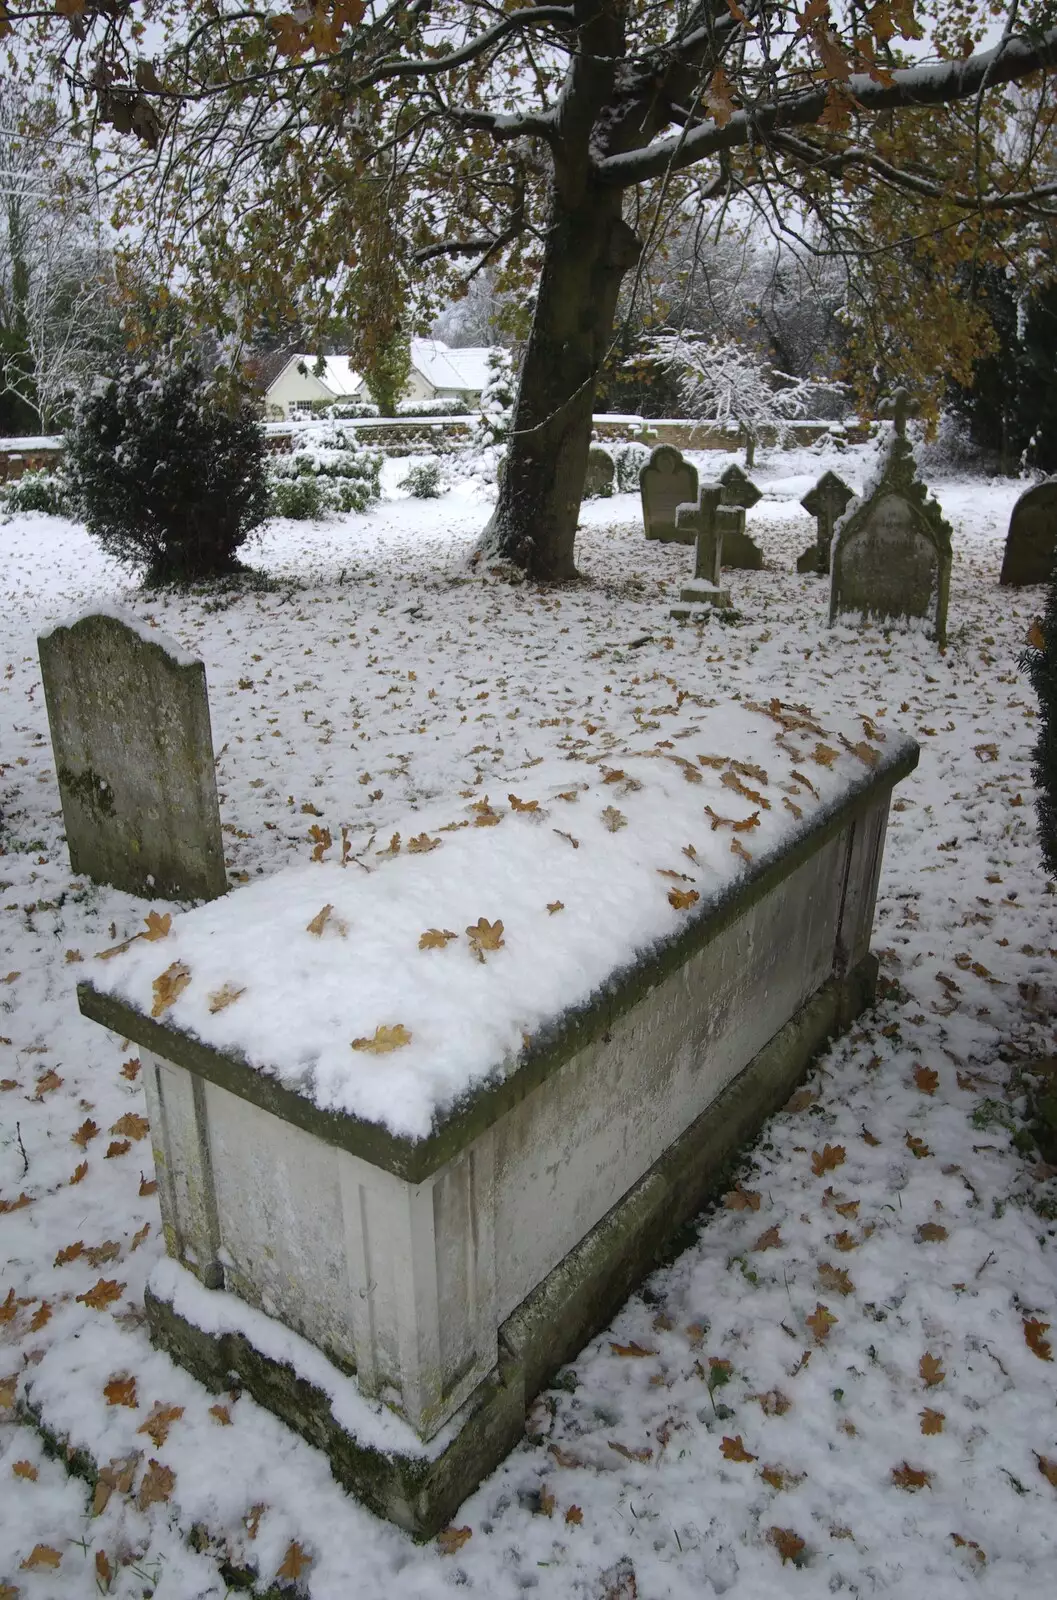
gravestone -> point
(1031, 542)
(739, 493)
(130, 733)
(892, 548)
(598, 479)
(827, 501)
(665, 483)
(705, 518)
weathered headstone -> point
(705, 517)
(598, 479)
(827, 501)
(892, 548)
(739, 493)
(1031, 543)
(133, 751)
(666, 482)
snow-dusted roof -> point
(445, 368)
(337, 376)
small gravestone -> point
(1031, 542)
(133, 751)
(705, 517)
(827, 501)
(598, 479)
(892, 548)
(666, 482)
(739, 493)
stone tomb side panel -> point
(886, 565)
(568, 1152)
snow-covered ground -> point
(844, 1384)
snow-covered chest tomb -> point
(424, 1118)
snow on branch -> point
(727, 382)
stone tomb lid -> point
(578, 872)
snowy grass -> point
(376, 678)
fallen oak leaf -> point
(614, 820)
(930, 1233)
(25, 1469)
(917, 1147)
(769, 1240)
(739, 850)
(69, 1253)
(86, 1132)
(156, 1486)
(932, 1421)
(730, 780)
(117, 1147)
(525, 805)
(450, 1540)
(644, 1454)
(296, 1562)
(168, 987)
(911, 1478)
(788, 1544)
(102, 1294)
(739, 1199)
(484, 935)
(926, 1079)
(47, 1083)
(1047, 1467)
(554, 906)
(682, 899)
(41, 1317)
(121, 1391)
(1033, 1338)
(436, 938)
(221, 1415)
(319, 921)
(574, 1516)
(930, 1370)
(834, 1279)
(632, 1349)
(225, 996)
(734, 1450)
(159, 1422)
(422, 844)
(821, 1321)
(131, 1126)
(827, 1159)
(562, 835)
(384, 1040)
(41, 1555)
(824, 755)
(130, 1069)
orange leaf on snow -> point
(770, 1240)
(788, 1543)
(25, 1469)
(130, 1069)
(484, 935)
(221, 1415)
(930, 1369)
(644, 1454)
(121, 1391)
(1033, 1338)
(41, 1555)
(834, 1279)
(926, 1079)
(821, 1321)
(1047, 1467)
(296, 1562)
(574, 1516)
(157, 1485)
(682, 899)
(932, 1421)
(69, 1253)
(917, 1147)
(158, 926)
(734, 1450)
(41, 1317)
(160, 1421)
(46, 1083)
(740, 1199)
(911, 1478)
(384, 1040)
(930, 1233)
(117, 1147)
(103, 1294)
(436, 938)
(225, 996)
(85, 1133)
(131, 1126)
(827, 1159)
(168, 987)
(631, 1349)
(449, 1540)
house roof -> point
(337, 376)
(445, 368)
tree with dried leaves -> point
(339, 154)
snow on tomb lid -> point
(393, 994)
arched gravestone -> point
(130, 733)
(892, 548)
(1031, 542)
(738, 494)
(666, 482)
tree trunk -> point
(589, 249)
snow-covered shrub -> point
(424, 481)
(598, 480)
(37, 491)
(441, 406)
(345, 410)
(167, 469)
(1040, 660)
(630, 460)
(329, 472)
(497, 401)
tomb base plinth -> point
(700, 596)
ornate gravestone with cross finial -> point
(899, 405)
(891, 553)
(739, 493)
(703, 519)
(827, 501)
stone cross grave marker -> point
(739, 493)
(704, 517)
(892, 549)
(827, 501)
(666, 482)
(130, 733)
(899, 406)
(1031, 543)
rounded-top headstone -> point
(666, 482)
(1031, 542)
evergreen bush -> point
(329, 473)
(1040, 660)
(167, 469)
(37, 491)
(630, 459)
(424, 481)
